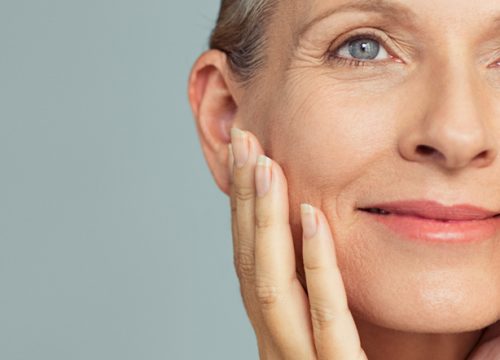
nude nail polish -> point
(263, 175)
(308, 218)
(239, 140)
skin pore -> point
(418, 122)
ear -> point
(213, 99)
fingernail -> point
(309, 224)
(239, 139)
(263, 175)
(230, 160)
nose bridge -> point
(456, 102)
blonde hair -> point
(240, 33)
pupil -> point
(364, 49)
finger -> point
(487, 350)
(245, 151)
(281, 297)
(234, 224)
(488, 344)
(247, 294)
(247, 148)
(335, 333)
(491, 332)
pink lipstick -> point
(430, 221)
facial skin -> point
(348, 136)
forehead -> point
(303, 12)
(414, 13)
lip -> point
(429, 221)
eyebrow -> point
(389, 9)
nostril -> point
(483, 154)
(425, 150)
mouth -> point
(431, 210)
(433, 222)
(382, 212)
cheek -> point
(326, 139)
(325, 142)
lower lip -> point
(429, 230)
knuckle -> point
(312, 266)
(244, 193)
(263, 221)
(267, 295)
(321, 316)
(244, 263)
(233, 209)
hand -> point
(288, 323)
(488, 346)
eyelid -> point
(381, 37)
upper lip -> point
(434, 210)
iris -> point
(365, 49)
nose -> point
(456, 130)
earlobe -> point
(214, 108)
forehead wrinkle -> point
(390, 9)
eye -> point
(359, 50)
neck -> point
(381, 343)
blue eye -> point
(365, 49)
(359, 50)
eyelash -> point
(342, 61)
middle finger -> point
(246, 149)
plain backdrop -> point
(115, 241)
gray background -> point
(114, 239)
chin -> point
(418, 286)
(426, 306)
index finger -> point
(335, 332)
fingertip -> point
(326, 230)
(230, 162)
(263, 175)
(326, 225)
(253, 139)
(280, 179)
(308, 219)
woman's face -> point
(419, 120)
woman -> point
(369, 230)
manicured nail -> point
(230, 160)
(239, 139)
(263, 175)
(309, 224)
